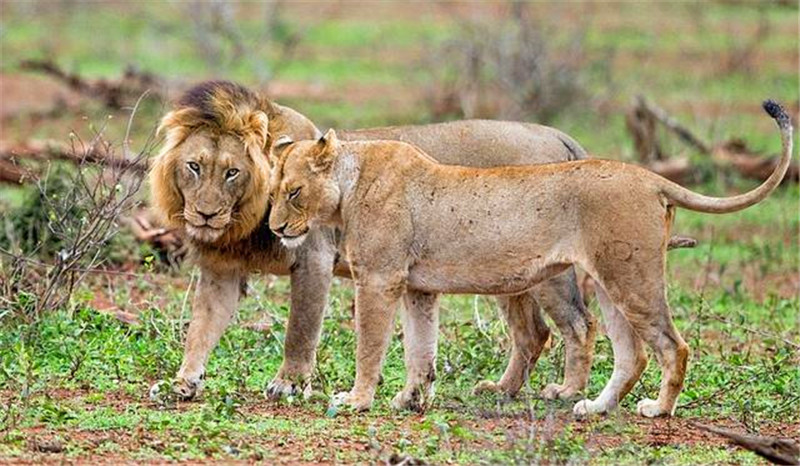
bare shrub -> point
(509, 70)
(61, 233)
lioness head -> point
(211, 177)
(304, 191)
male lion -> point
(413, 226)
(211, 179)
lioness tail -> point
(679, 196)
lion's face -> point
(211, 185)
(212, 177)
(304, 191)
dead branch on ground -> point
(644, 118)
(113, 93)
(97, 152)
(773, 449)
(168, 242)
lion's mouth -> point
(204, 232)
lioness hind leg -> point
(643, 302)
(630, 360)
(529, 334)
(561, 299)
(420, 337)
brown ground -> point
(492, 429)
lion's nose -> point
(208, 215)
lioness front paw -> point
(651, 408)
(417, 399)
(554, 391)
(588, 407)
(355, 401)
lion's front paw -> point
(486, 386)
(554, 391)
(355, 401)
(179, 389)
(186, 389)
(651, 408)
(284, 388)
(587, 407)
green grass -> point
(733, 375)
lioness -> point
(411, 225)
(211, 179)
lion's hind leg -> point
(529, 333)
(420, 337)
(562, 300)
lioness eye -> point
(231, 174)
(194, 166)
(294, 193)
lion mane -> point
(217, 108)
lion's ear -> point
(178, 124)
(277, 148)
(256, 131)
(326, 152)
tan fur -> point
(413, 226)
(215, 121)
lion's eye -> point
(194, 167)
(294, 193)
(231, 174)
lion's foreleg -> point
(311, 278)
(214, 304)
(420, 337)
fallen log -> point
(641, 121)
(750, 164)
(97, 152)
(774, 449)
(14, 174)
(643, 117)
(168, 242)
(114, 94)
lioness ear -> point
(280, 145)
(328, 139)
(327, 151)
